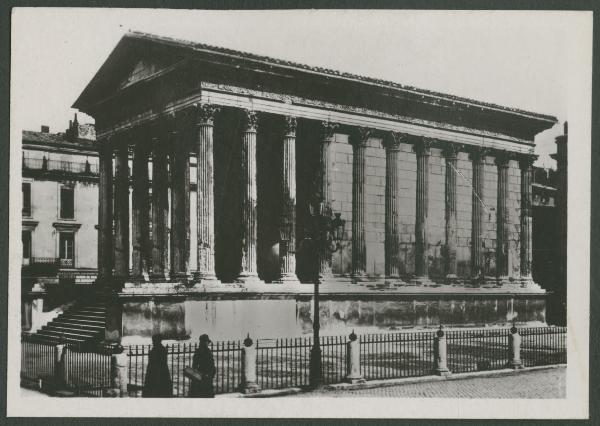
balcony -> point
(80, 167)
(44, 266)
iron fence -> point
(396, 355)
(284, 362)
(476, 350)
(37, 361)
(543, 345)
(228, 365)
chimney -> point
(45, 129)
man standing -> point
(204, 363)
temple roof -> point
(122, 57)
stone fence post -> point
(249, 384)
(514, 344)
(118, 376)
(60, 371)
(353, 360)
(441, 367)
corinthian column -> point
(359, 139)
(180, 204)
(287, 247)
(140, 202)
(160, 209)
(249, 270)
(105, 213)
(325, 190)
(122, 211)
(393, 270)
(502, 231)
(422, 148)
(205, 211)
(477, 156)
(450, 153)
(526, 164)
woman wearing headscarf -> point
(158, 383)
(204, 363)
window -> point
(67, 202)
(26, 238)
(26, 199)
(66, 248)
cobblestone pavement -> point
(533, 384)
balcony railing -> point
(63, 166)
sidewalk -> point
(533, 383)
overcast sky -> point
(515, 59)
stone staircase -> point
(82, 323)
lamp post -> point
(326, 230)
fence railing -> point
(280, 363)
(63, 166)
(397, 355)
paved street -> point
(534, 384)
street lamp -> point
(326, 230)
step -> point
(65, 334)
(67, 329)
(79, 324)
(90, 309)
(56, 340)
(85, 316)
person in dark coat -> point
(158, 383)
(204, 363)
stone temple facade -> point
(435, 190)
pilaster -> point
(359, 139)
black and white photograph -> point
(299, 213)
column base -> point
(515, 364)
(201, 279)
(158, 277)
(288, 279)
(251, 387)
(354, 379)
(360, 277)
(249, 278)
(422, 281)
(452, 279)
(391, 282)
(444, 372)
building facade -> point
(59, 214)
(436, 192)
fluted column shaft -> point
(450, 154)
(526, 165)
(502, 231)
(287, 249)
(122, 211)
(249, 270)
(478, 162)
(422, 148)
(105, 212)
(359, 207)
(160, 209)
(180, 205)
(205, 193)
(140, 203)
(392, 207)
(325, 190)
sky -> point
(514, 59)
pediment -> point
(143, 68)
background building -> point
(60, 214)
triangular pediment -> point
(142, 69)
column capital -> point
(478, 153)
(422, 145)
(250, 120)
(328, 129)
(360, 135)
(392, 140)
(451, 150)
(502, 158)
(205, 113)
(290, 124)
(527, 160)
